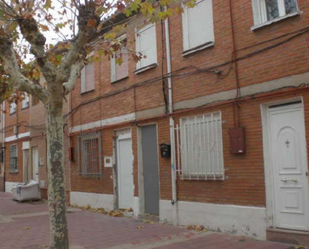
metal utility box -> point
(165, 150)
(237, 140)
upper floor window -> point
(25, 102)
(146, 45)
(13, 107)
(87, 78)
(198, 27)
(120, 70)
(269, 10)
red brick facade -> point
(272, 64)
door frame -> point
(141, 187)
(122, 134)
(32, 161)
(268, 167)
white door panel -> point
(35, 164)
(289, 162)
(125, 173)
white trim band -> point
(231, 219)
(16, 137)
(103, 122)
(83, 199)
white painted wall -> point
(83, 199)
(9, 186)
(238, 220)
(136, 206)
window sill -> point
(259, 26)
(12, 113)
(14, 172)
(198, 48)
(142, 69)
(26, 107)
(87, 92)
(116, 81)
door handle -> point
(285, 180)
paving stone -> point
(20, 229)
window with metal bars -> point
(89, 154)
(200, 148)
(13, 158)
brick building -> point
(210, 128)
(226, 86)
(25, 143)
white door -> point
(289, 164)
(25, 165)
(35, 164)
(125, 171)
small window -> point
(13, 107)
(90, 159)
(200, 148)
(119, 71)
(13, 158)
(146, 45)
(25, 102)
(270, 10)
(87, 78)
(198, 27)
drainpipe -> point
(171, 122)
(3, 142)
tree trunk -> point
(56, 183)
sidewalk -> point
(25, 226)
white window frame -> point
(13, 107)
(260, 13)
(139, 66)
(185, 32)
(207, 161)
(15, 157)
(25, 102)
(113, 63)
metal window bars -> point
(13, 158)
(90, 154)
(199, 148)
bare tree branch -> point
(30, 31)
(74, 75)
(18, 80)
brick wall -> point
(245, 173)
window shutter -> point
(120, 71)
(256, 8)
(90, 77)
(113, 69)
(147, 45)
(83, 80)
(198, 27)
(87, 78)
(25, 102)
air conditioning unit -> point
(15, 130)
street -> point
(25, 226)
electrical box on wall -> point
(165, 150)
(108, 161)
(237, 140)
